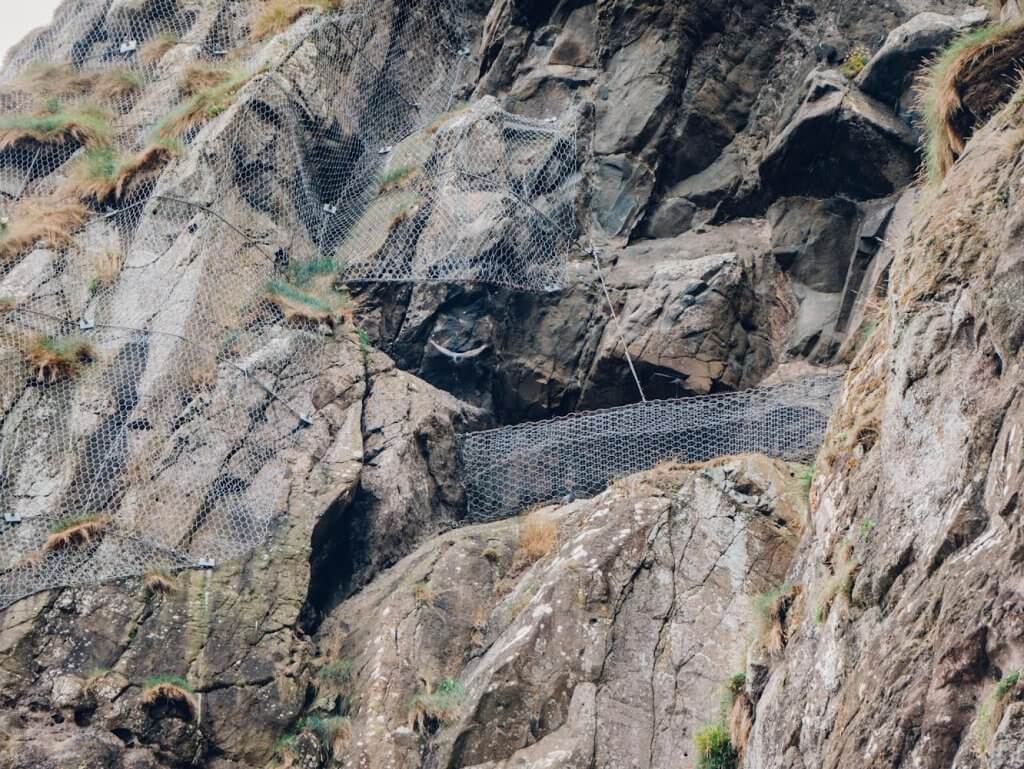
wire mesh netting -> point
(124, 451)
(185, 187)
(510, 469)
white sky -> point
(20, 16)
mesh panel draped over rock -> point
(510, 469)
(126, 451)
(184, 194)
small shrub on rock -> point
(55, 360)
(429, 712)
(855, 61)
(714, 749)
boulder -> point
(839, 142)
(889, 75)
(813, 239)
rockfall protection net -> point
(185, 187)
(124, 452)
(510, 469)
(337, 140)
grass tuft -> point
(773, 610)
(297, 304)
(983, 58)
(275, 16)
(714, 749)
(57, 124)
(336, 672)
(153, 50)
(51, 220)
(855, 61)
(397, 179)
(537, 537)
(74, 532)
(158, 583)
(738, 712)
(202, 106)
(118, 84)
(430, 711)
(54, 360)
(173, 692)
(991, 712)
(45, 81)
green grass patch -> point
(164, 679)
(57, 124)
(805, 477)
(63, 524)
(285, 290)
(442, 703)
(201, 107)
(324, 727)
(714, 749)
(301, 273)
(337, 672)
(990, 713)
(855, 61)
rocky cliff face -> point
(747, 180)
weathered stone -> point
(889, 76)
(555, 667)
(839, 142)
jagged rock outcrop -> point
(587, 635)
(75, 662)
(747, 201)
(910, 651)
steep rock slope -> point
(723, 254)
(912, 562)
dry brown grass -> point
(51, 221)
(963, 88)
(144, 165)
(318, 304)
(775, 615)
(75, 532)
(845, 570)
(401, 218)
(172, 694)
(201, 76)
(158, 583)
(101, 173)
(538, 536)
(740, 721)
(108, 267)
(202, 106)
(57, 359)
(275, 16)
(423, 593)
(43, 81)
(117, 85)
(153, 50)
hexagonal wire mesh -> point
(184, 191)
(510, 469)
